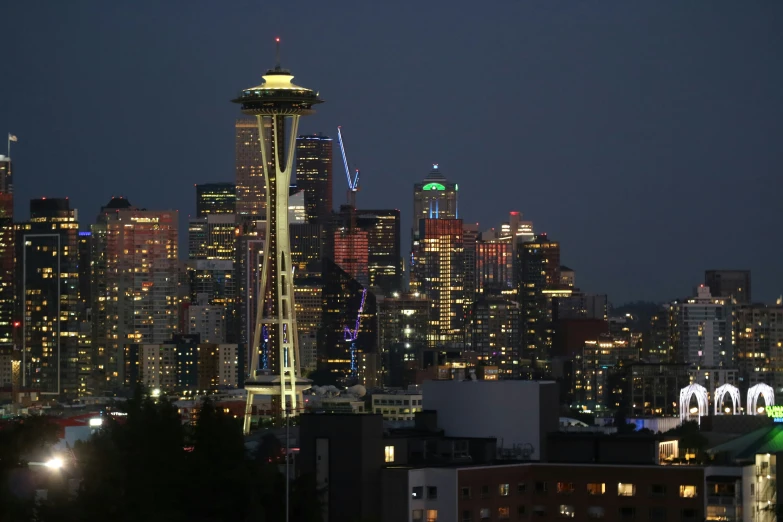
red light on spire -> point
(277, 39)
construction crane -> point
(353, 182)
(351, 335)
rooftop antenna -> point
(277, 53)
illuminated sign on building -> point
(433, 186)
(776, 412)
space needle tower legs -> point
(276, 105)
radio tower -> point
(277, 105)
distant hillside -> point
(642, 312)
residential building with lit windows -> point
(496, 334)
(216, 198)
(521, 491)
(47, 277)
(136, 255)
(702, 330)
(403, 330)
(314, 176)
(250, 170)
(400, 407)
(594, 367)
(218, 367)
(538, 279)
(208, 321)
(7, 251)
(438, 272)
(758, 334)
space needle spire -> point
(276, 104)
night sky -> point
(647, 137)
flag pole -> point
(9, 146)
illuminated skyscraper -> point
(538, 277)
(250, 180)
(434, 198)
(276, 105)
(438, 272)
(384, 261)
(314, 175)
(212, 237)
(351, 253)
(6, 252)
(47, 289)
(496, 334)
(136, 267)
(216, 198)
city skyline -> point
(637, 182)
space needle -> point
(276, 105)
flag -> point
(11, 137)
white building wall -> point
(229, 364)
(445, 480)
(209, 321)
(510, 411)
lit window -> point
(503, 490)
(418, 492)
(418, 515)
(389, 453)
(687, 491)
(484, 514)
(626, 490)
(566, 511)
(565, 487)
(596, 488)
(432, 515)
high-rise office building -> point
(438, 272)
(496, 334)
(212, 237)
(307, 246)
(135, 263)
(351, 253)
(384, 260)
(494, 266)
(47, 288)
(314, 175)
(434, 198)
(7, 235)
(248, 269)
(538, 279)
(250, 169)
(734, 284)
(216, 198)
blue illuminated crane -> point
(353, 182)
(351, 335)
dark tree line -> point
(150, 467)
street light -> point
(54, 463)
